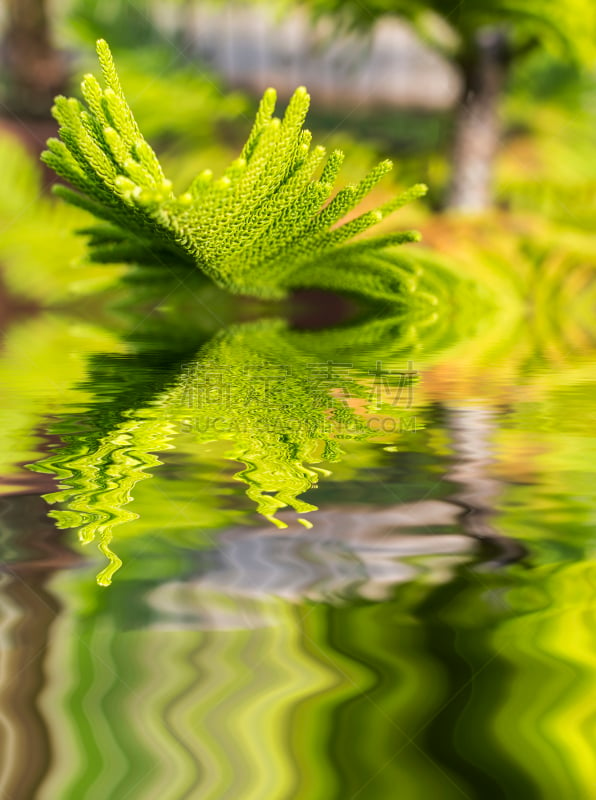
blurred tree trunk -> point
(477, 126)
(36, 71)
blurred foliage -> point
(40, 256)
(524, 261)
(124, 22)
(547, 167)
(552, 24)
(486, 41)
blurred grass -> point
(41, 257)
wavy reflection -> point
(398, 646)
(280, 397)
(442, 680)
(28, 610)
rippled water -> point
(274, 563)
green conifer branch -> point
(250, 230)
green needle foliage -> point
(252, 231)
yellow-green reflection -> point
(552, 637)
(290, 403)
(440, 690)
(42, 258)
(251, 701)
(43, 362)
(278, 396)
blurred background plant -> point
(485, 41)
(544, 189)
(42, 259)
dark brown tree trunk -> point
(477, 125)
(35, 70)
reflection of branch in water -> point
(256, 385)
(100, 483)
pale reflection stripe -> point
(167, 676)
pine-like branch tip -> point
(102, 48)
(259, 229)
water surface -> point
(273, 562)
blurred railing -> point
(253, 48)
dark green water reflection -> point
(432, 633)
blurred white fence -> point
(252, 48)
